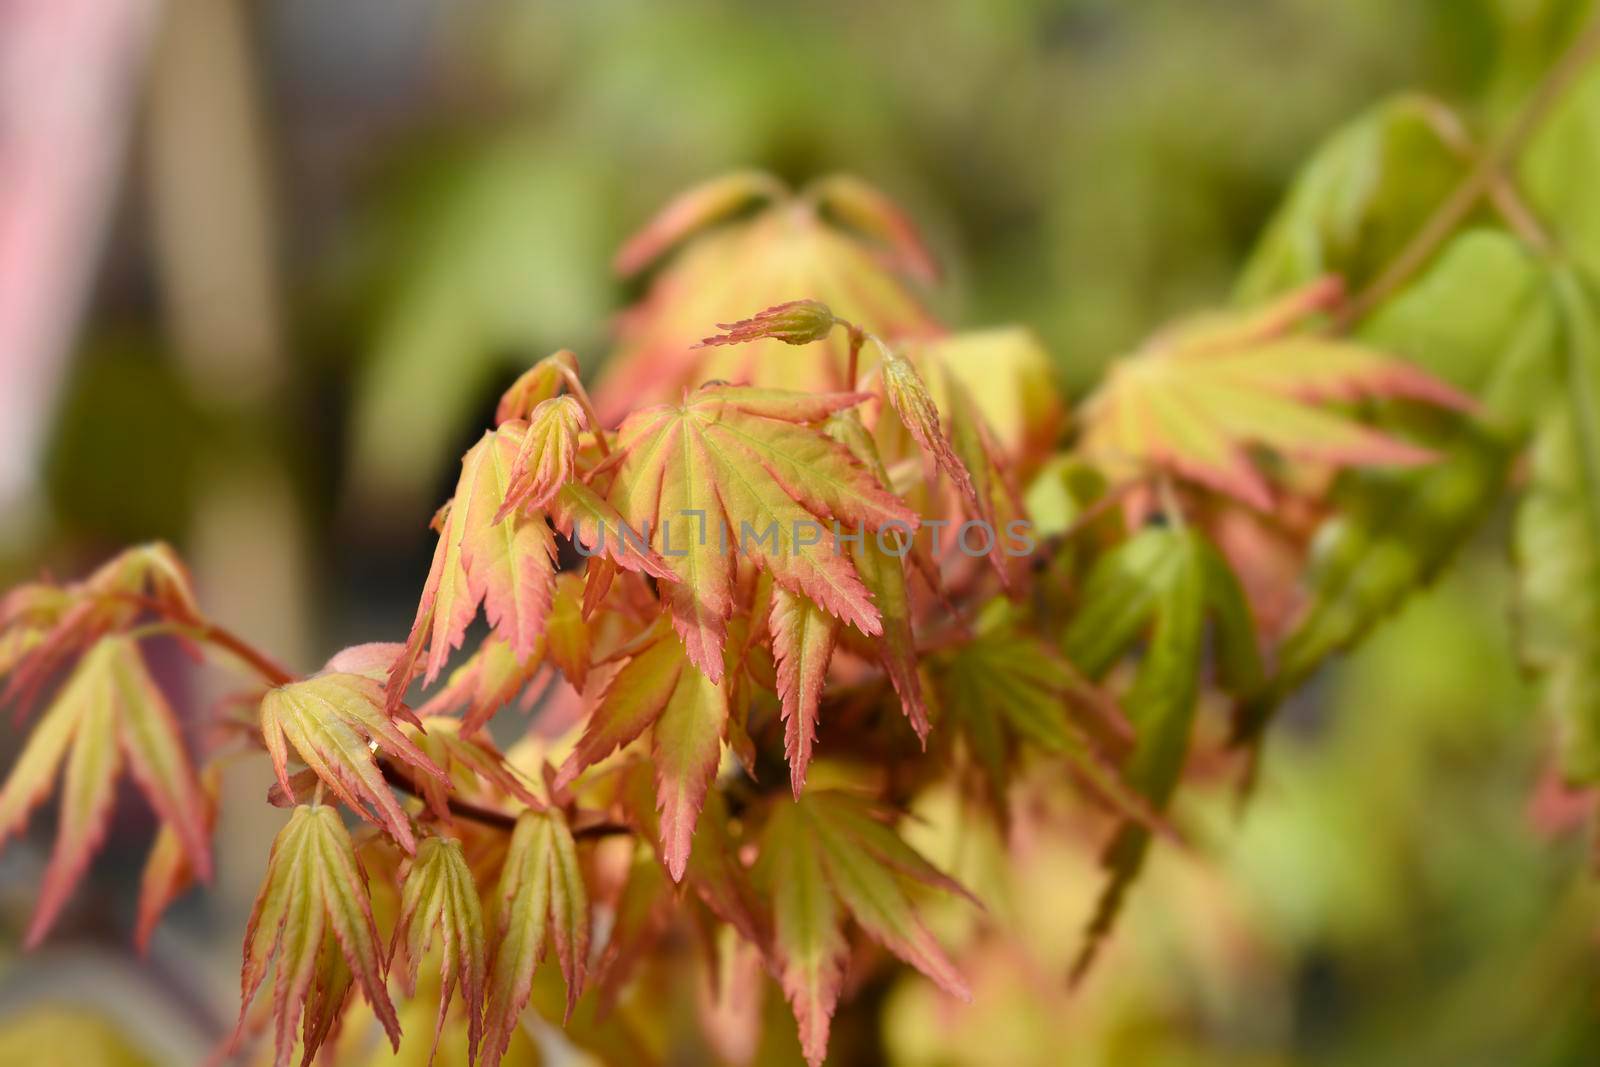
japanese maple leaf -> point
(314, 916)
(1198, 398)
(440, 897)
(734, 472)
(659, 689)
(826, 856)
(494, 552)
(107, 712)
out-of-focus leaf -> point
(824, 857)
(1160, 585)
(314, 916)
(1482, 318)
(1203, 393)
(1560, 167)
(1359, 199)
(1558, 534)
(107, 712)
(541, 903)
(789, 251)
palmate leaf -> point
(1200, 396)
(494, 552)
(107, 712)
(541, 902)
(486, 681)
(144, 578)
(1161, 585)
(659, 689)
(168, 870)
(439, 898)
(825, 857)
(334, 722)
(736, 472)
(795, 247)
(1482, 318)
(1006, 686)
(314, 917)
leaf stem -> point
(1480, 181)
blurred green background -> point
(333, 231)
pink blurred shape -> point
(68, 73)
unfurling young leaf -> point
(737, 472)
(797, 322)
(541, 382)
(547, 459)
(314, 917)
(108, 711)
(541, 903)
(824, 857)
(333, 722)
(1200, 395)
(439, 898)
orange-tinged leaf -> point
(883, 572)
(332, 721)
(86, 796)
(686, 747)
(147, 577)
(314, 917)
(547, 458)
(808, 920)
(822, 857)
(695, 209)
(108, 710)
(505, 565)
(803, 638)
(541, 901)
(740, 472)
(634, 697)
(794, 248)
(168, 871)
(568, 642)
(538, 383)
(475, 768)
(488, 680)
(866, 210)
(1197, 398)
(908, 396)
(440, 898)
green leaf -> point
(1558, 535)
(440, 897)
(541, 903)
(1160, 586)
(1359, 199)
(825, 856)
(333, 721)
(314, 917)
